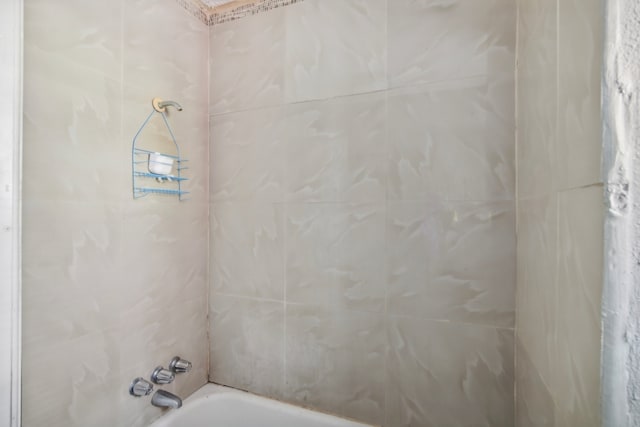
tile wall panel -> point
(442, 373)
(110, 284)
(335, 359)
(398, 208)
(334, 48)
(560, 213)
(580, 53)
(452, 141)
(432, 40)
(247, 63)
(247, 343)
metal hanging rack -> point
(154, 172)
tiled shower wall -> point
(112, 286)
(362, 208)
(560, 213)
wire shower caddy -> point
(148, 166)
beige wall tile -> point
(110, 283)
(441, 373)
(580, 55)
(451, 140)
(537, 97)
(452, 261)
(335, 48)
(247, 249)
(537, 294)
(85, 33)
(431, 40)
(534, 404)
(71, 131)
(335, 149)
(247, 63)
(248, 153)
(335, 255)
(560, 211)
(165, 52)
(576, 373)
(247, 344)
(335, 361)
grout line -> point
(422, 86)
(284, 298)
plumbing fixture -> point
(164, 399)
(162, 376)
(140, 387)
(179, 365)
(160, 106)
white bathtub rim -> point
(211, 389)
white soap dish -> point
(160, 164)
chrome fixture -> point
(140, 387)
(179, 365)
(161, 106)
(162, 376)
(164, 399)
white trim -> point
(621, 293)
(11, 24)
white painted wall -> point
(10, 130)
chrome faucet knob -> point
(140, 387)
(162, 376)
(179, 365)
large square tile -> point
(447, 374)
(335, 361)
(335, 48)
(433, 40)
(452, 261)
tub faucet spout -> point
(164, 399)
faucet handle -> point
(140, 387)
(179, 365)
(162, 376)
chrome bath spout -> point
(164, 399)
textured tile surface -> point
(537, 97)
(452, 140)
(537, 291)
(247, 252)
(335, 47)
(84, 33)
(560, 213)
(84, 126)
(534, 404)
(335, 255)
(452, 261)
(580, 47)
(247, 344)
(335, 149)
(335, 361)
(434, 40)
(576, 373)
(247, 60)
(110, 284)
(248, 151)
(447, 374)
(395, 203)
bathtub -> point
(217, 406)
